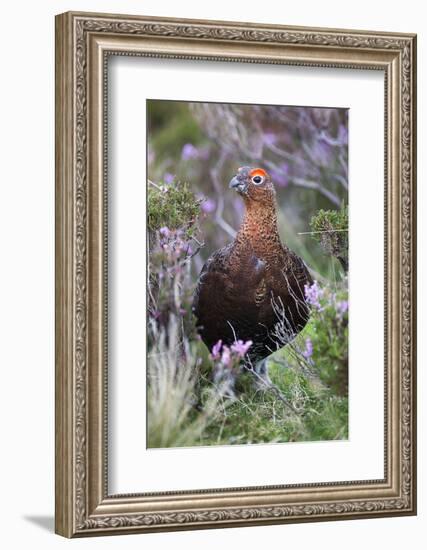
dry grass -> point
(173, 416)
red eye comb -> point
(258, 172)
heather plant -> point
(227, 363)
(172, 205)
(170, 286)
(178, 409)
(172, 221)
(321, 349)
(326, 340)
(330, 229)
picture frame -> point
(84, 42)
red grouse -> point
(253, 288)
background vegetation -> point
(193, 151)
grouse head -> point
(254, 184)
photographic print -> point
(247, 279)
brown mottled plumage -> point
(239, 283)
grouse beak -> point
(238, 185)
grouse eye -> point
(257, 179)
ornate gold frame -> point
(83, 42)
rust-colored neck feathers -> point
(259, 229)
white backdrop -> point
(27, 245)
(132, 80)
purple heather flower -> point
(189, 152)
(168, 178)
(208, 206)
(178, 248)
(269, 138)
(226, 356)
(165, 232)
(216, 349)
(241, 347)
(313, 294)
(308, 352)
(342, 307)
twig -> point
(342, 180)
(271, 387)
(227, 228)
(325, 231)
(154, 185)
(197, 241)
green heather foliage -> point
(327, 336)
(173, 206)
(330, 229)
